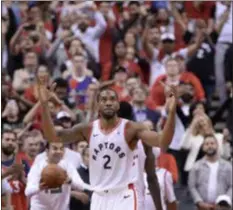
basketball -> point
(53, 176)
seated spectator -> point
(210, 177)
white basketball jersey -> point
(111, 159)
(141, 158)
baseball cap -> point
(224, 198)
(168, 36)
(63, 114)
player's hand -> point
(44, 94)
(171, 97)
(83, 197)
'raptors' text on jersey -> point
(111, 159)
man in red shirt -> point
(173, 77)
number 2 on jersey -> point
(108, 160)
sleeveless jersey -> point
(140, 162)
(161, 174)
(111, 159)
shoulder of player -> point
(135, 126)
(83, 128)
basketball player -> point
(168, 197)
(112, 142)
(42, 198)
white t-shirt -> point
(226, 33)
(56, 199)
(212, 185)
(74, 158)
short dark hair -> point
(137, 3)
(105, 89)
(9, 131)
(61, 83)
(209, 136)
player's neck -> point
(6, 157)
(108, 124)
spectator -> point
(141, 112)
(9, 157)
(25, 77)
(172, 77)
(223, 11)
(11, 116)
(31, 145)
(210, 177)
(90, 35)
(79, 80)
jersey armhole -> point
(132, 145)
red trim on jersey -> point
(131, 187)
(113, 129)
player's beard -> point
(108, 116)
(8, 150)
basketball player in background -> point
(112, 142)
(42, 198)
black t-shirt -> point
(202, 62)
(6, 125)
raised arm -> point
(164, 138)
(152, 178)
(77, 133)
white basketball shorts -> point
(124, 199)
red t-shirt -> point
(18, 198)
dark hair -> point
(126, 111)
(137, 3)
(194, 106)
(105, 89)
(209, 136)
(8, 131)
(60, 82)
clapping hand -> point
(171, 97)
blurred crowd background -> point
(135, 47)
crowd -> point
(137, 48)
